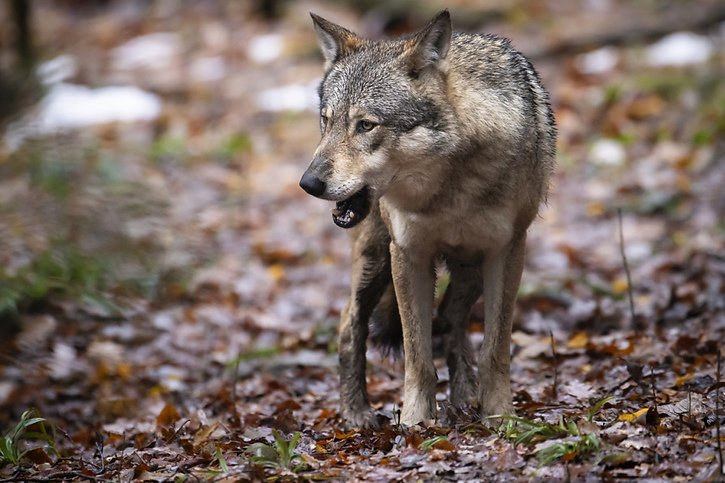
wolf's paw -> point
(418, 410)
(463, 390)
(364, 418)
(496, 404)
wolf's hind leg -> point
(370, 277)
(463, 290)
(501, 277)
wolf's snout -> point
(312, 184)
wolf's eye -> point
(364, 125)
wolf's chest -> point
(451, 229)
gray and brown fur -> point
(438, 145)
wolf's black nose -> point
(312, 184)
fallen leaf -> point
(580, 390)
(578, 341)
(631, 417)
(168, 415)
(691, 405)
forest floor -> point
(169, 296)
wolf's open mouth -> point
(348, 213)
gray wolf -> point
(435, 146)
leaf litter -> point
(224, 370)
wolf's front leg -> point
(414, 279)
(354, 405)
(501, 277)
(370, 278)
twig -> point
(554, 391)
(717, 413)
(654, 389)
(176, 433)
(235, 377)
(626, 268)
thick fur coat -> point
(439, 145)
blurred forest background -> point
(169, 296)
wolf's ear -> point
(336, 42)
(429, 46)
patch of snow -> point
(597, 61)
(607, 152)
(265, 48)
(295, 97)
(57, 70)
(70, 106)
(155, 50)
(680, 48)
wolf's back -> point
(489, 62)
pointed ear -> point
(430, 46)
(335, 42)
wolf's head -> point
(381, 110)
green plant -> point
(221, 459)
(579, 445)
(430, 443)
(572, 441)
(256, 354)
(527, 432)
(281, 455)
(86, 229)
(61, 269)
(168, 149)
(10, 443)
(596, 407)
(232, 146)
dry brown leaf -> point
(168, 415)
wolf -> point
(437, 147)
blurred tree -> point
(23, 39)
(269, 9)
(19, 83)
